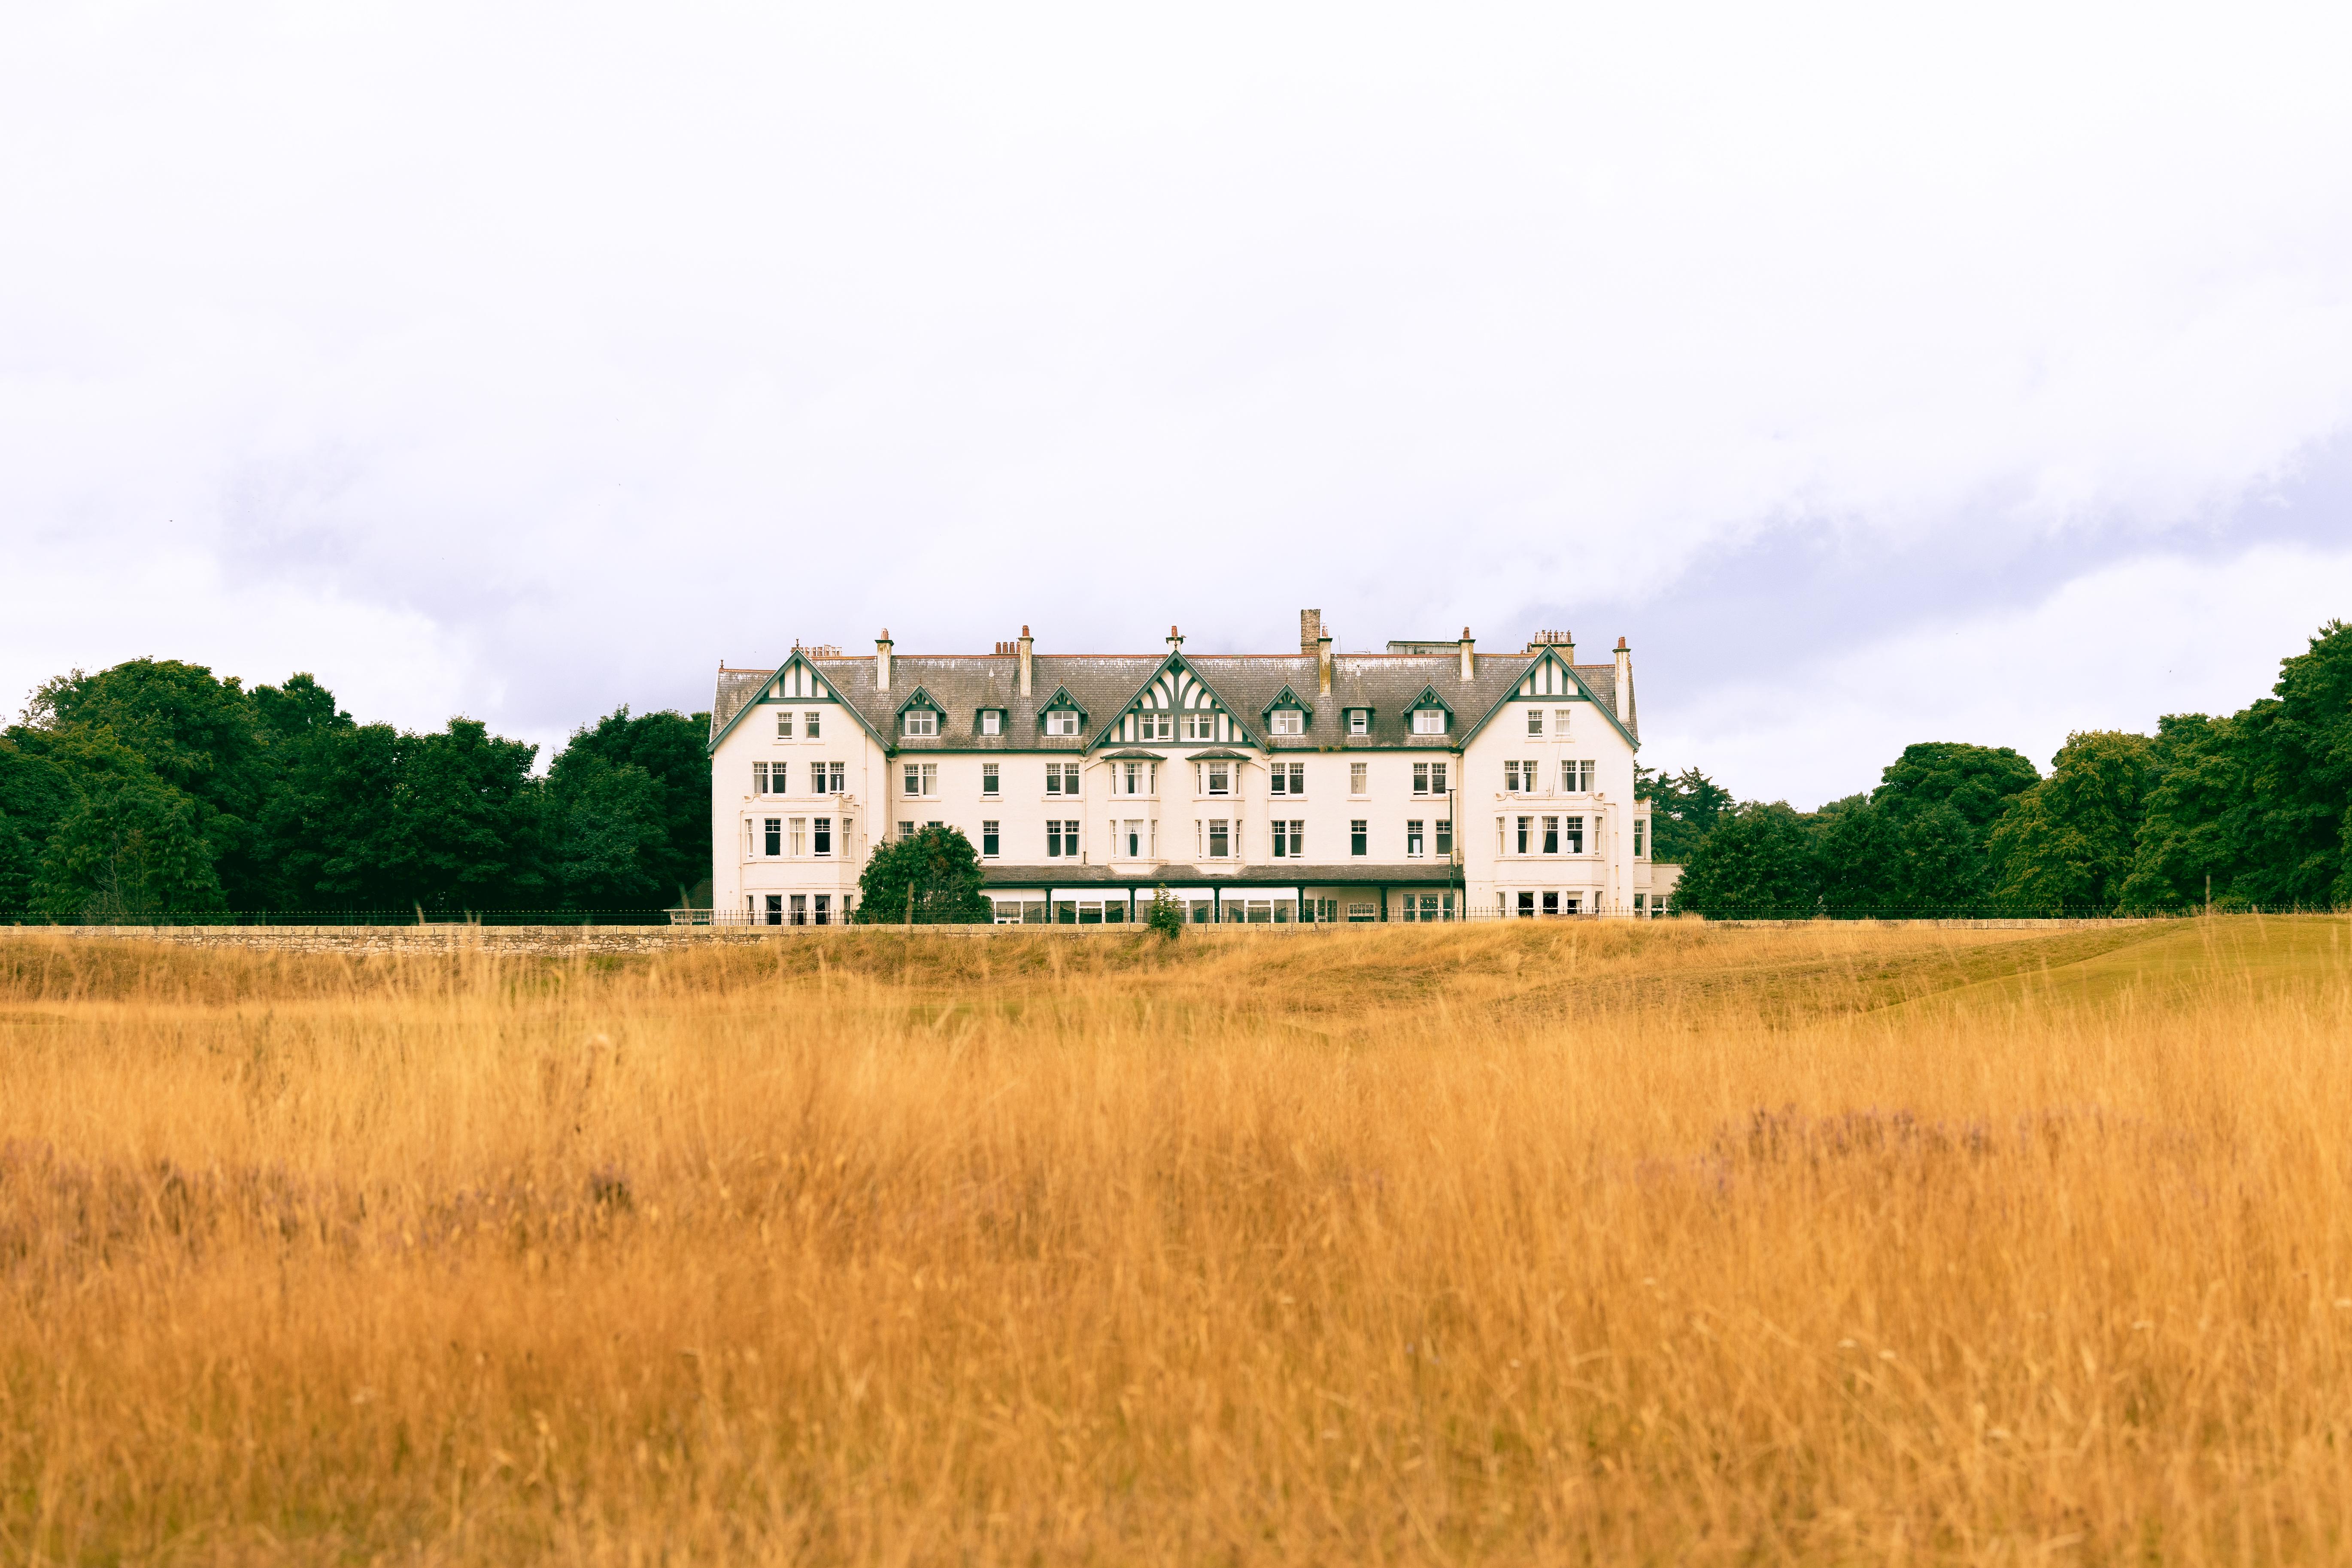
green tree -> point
(608, 841)
(668, 747)
(36, 793)
(2197, 819)
(941, 870)
(1976, 781)
(2067, 844)
(1165, 916)
(195, 733)
(2297, 751)
(131, 846)
(1684, 810)
(17, 862)
(1758, 862)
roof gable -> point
(1547, 674)
(796, 679)
(1176, 687)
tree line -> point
(158, 790)
(2251, 811)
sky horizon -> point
(1879, 378)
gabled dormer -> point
(1428, 715)
(920, 718)
(1062, 716)
(1288, 716)
(1177, 707)
(1551, 675)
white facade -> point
(1431, 782)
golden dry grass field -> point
(1504, 1244)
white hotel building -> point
(1431, 782)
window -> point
(921, 722)
(1560, 722)
(1551, 834)
(821, 842)
(1220, 838)
(1574, 827)
(1521, 778)
(1640, 905)
(1416, 842)
(828, 778)
(1641, 834)
(771, 836)
(1216, 778)
(1289, 778)
(1289, 721)
(1429, 721)
(1526, 906)
(1155, 726)
(1061, 839)
(800, 909)
(809, 725)
(988, 778)
(1289, 840)
(1429, 778)
(768, 778)
(1326, 911)
(1445, 836)
(1359, 836)
(1576, 777)
(1433, 907)
(1535, 723)
(1361, 912)
(1200, 726)
(989, 839)
(1135, 778)
(992, 722)
(824, 902)
(1526, 825)
(1359, 721)
(1356, 777)
(1062, 778)
(1131, 839)
(922, 779)
(906, 830)
(796, 836)
(775, 909)
(1551, 904)
(783, 724)
(1062, 721)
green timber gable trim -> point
(1577, 690)
(799, 673)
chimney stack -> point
(882, 661)
(1469, 657)
(1624, 684)
(1322, 662)
(1025, 646)
(1310, 630)
(1175, 640)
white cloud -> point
(589, 345)
(2114, 649)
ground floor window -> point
(775, 910)
(1323, 909)
(1423, 907)
(1360, 910)
(1527, 910)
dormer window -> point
(992, 721)
(921, 722)
(1359, 721)
(1429, 721)
(1289, 721)
(1061, 721)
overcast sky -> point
(1881, 373)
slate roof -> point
(1103, 685)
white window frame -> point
(1360, 837)
(1156, 726)
(1429, 721)
(992, 837)
(1359, 721)
(1535, 723)
(919, 724)
(783, 724)
(1416, 838)
(812, 723)
(991, 781)
(1289, 721)
(1061, 721)
(1359, 775)
(992, 722)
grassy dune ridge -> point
(1505, 1243)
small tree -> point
(931, 877)
(1166, 916)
